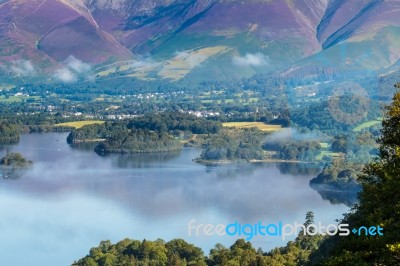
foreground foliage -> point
(180, 253)
(379, 205)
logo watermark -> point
(279, 229)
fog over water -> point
(73, 198)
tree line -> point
(149, 133)
(178, 252)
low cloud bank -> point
(24, 68)
(257, 59)
(72, 70)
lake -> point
(73, 198)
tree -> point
(8, 133)
(308, 242)
(240, 253)
(379, 206)
(296, 252)
(339, 144)
(15, 160)
(180, 250)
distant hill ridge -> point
(251, 35)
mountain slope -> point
(359, 35)
(51, 31)
(217, 38)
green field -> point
(367, 125)
(17, 99)
(327, 153)
(79, 124)
(254, 99)
(217, 101)
(261, 126)
(324, 145)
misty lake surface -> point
(73, 198)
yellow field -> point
(181, 65)
(107, 72)
(79, 124)
(175, 68)
(261, 126)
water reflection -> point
(84, 146)
(335, 196)
(158, 185)
(74, 198)
(141, 160)
(129, 160)
(299, 168)
(233, 171)
(10, 173)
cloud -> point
(293, 134)
(257, 59)
(77, 65)
(73, 69)
(24, 68)
(65, 75)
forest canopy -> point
(145, 134)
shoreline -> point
(223, 162)
(87, 141)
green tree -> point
(179, 250)
(379, 206)
(15, 160)
(339, 144)
(8, 133)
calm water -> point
(73, 199)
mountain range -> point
(177, 39)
